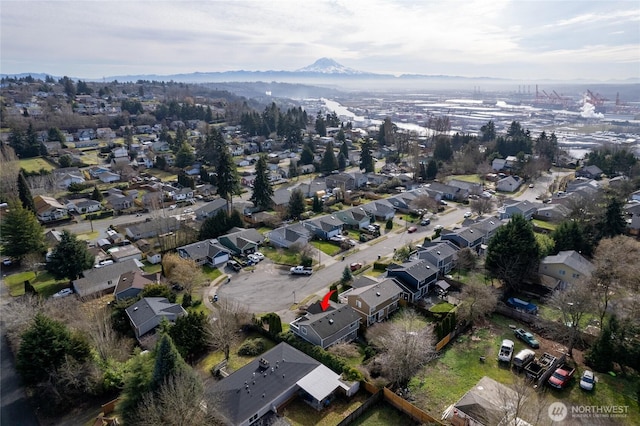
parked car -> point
(172, 206)
(259, 255)
(527, 337)
(561, 376)
(523, 358)
(7, 262)
(522, 305)
(467, 215)
(234, 265)
(438, 228)
(254, 258)
(587, 381)
(355, 266)
(506, 350)
(425, 222)
(63, 293)
(412, 229)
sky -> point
(516, 39)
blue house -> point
(415, 277)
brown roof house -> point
(132, 283)
(375, 302)
(146, 314)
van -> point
(523, 358)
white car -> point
(259, 255)
(587, 381)
(254, 258)
(468, 214)
(63, 293)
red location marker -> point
(325, 300)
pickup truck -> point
(539, 366)
(561, 377)
(506, 350)
(301, 270)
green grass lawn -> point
(162, 175)
(544, 224)
(44, 283)
(282, 256)
(36, 164)
(152, 269)
(467, 178)
(326, 247)
(235, 361)
(211, 273)
(383, 414)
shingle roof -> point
(149, 307)
(329, 322)
(94, 279)
(241, 394)
(374, 294)
(572, 259)
(419, 269)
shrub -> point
(252, 347)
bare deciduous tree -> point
(573, 303)
(405, 345)
(107, 341)
(225, 324)
(467, 259)
(478, 301)
(184, 272)
(520, 403)
(426, 203)
(18, 316)
(481, 205)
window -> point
(575, 275)
(561, 272)
(303, 330)
(253, 418)
(358, 304)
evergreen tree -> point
(347, 276)
(296, 204)
(329, 162)
(306, 156)
(185, 156)
(25, 193)
(513, 252)
(214, 226)
(167, 362)
(600, 355)
(20, 232)
(569, 235)
(334, 295)
(235, 220)
(96, 195)
(190, 335)
(293, 169)
(342, 162)
(70, 257)
(228, 180)
(44, 347)
(366, 158)
(443, 150)
(613, 222)
(321, 125)
(432, 169)
(262, 190)
(316, 206)
(488, 131)
(344, 149)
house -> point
(147, 313)
(324, 227)
(52, 237)
(590, 172)
(66, 179)
(552, 212)
(339, 323)
(633, 210)
(211, 209)
(281, 197)
(463, 237)
(132, 283)
(268, 382)
(207, 252)
(108, 177)
(289, 235)
(374, 303)
(467, 187)
(124, 253)
(102, 279)
(635, 196)
(487, 227)
(415, 277)
(83, 205)
(442, 254)
(355, 218)
(491, 403)
(153, 228)
(403, 202)
(448, 192)
(49, 209)
(94, 171)
(524, 208)
(346, 181)
(242, 241)
(567, 268)
(119, 202)
(154, 258)
(499, 164)
(508, 184)
(120, 152)
(182, 194)
(381, 210)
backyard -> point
(36, 164)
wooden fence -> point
(408, 408)
(372, 400)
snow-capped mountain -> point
(328, 66)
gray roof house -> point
(591, 172)
(211, 208)
(146, 314)
(241, 241)
(442, 254)
(381, 209)
(152, 228)
(355, 218)
(448, 192)
(416, 278)
(132, 283)
(375, 302)
(463, 237)
(119, 201)
(508, 184)
(288, 235)
(324, 227)
(265, 384)
(209, 252)
(567, 267)
(339, 323)
(487, 227)
(97, 280)
(524, 208)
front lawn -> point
(326, 247)
(211, 273)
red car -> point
(412, 229)
(355, 266)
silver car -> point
(587, 381)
